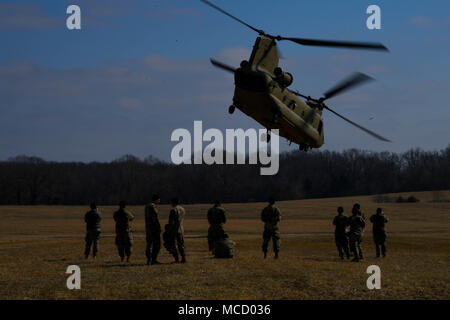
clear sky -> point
(140, 69)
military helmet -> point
(356, 208)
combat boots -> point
(276, 255)
(154, 257)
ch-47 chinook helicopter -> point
(261, 90)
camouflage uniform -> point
(271, 216)
(153, 232)
(216, 219)
(379, 232)
(341, 222)
(357, 225)
(168, 240)
(176, 232)
(124, 237)
(92, 219)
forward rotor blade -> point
(231, 16)
(373, 134)
(222, 66)
(336, 44)
(354, 80)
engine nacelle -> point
(283, 78)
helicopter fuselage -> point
(264, 96)
(261, 89)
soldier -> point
(175, 230)
(341, 222)
(271, 215)
(152, 231)
(216, 219)
(379, 232)
(360, 213)
(357, 225)
(92, 219)
(124, 237)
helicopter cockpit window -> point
(250, 80)
(319, 128)
(292, 105)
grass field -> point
(38, 243)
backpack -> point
(224, 248)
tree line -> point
(31, 181)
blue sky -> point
(140, 69)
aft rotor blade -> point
(231, 16)
(354, 80)
(336, 44)
(222, 65)
(373, 134)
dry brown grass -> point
(38, 243)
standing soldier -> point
(92, 219)
(357, 207)
(357, 225)
(216, 219)
(152, 231)
(379, 232)
(341, 222)
(271, 215)
(175, 230)
(124, 237)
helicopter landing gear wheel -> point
(303, 147)
(231, 109)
